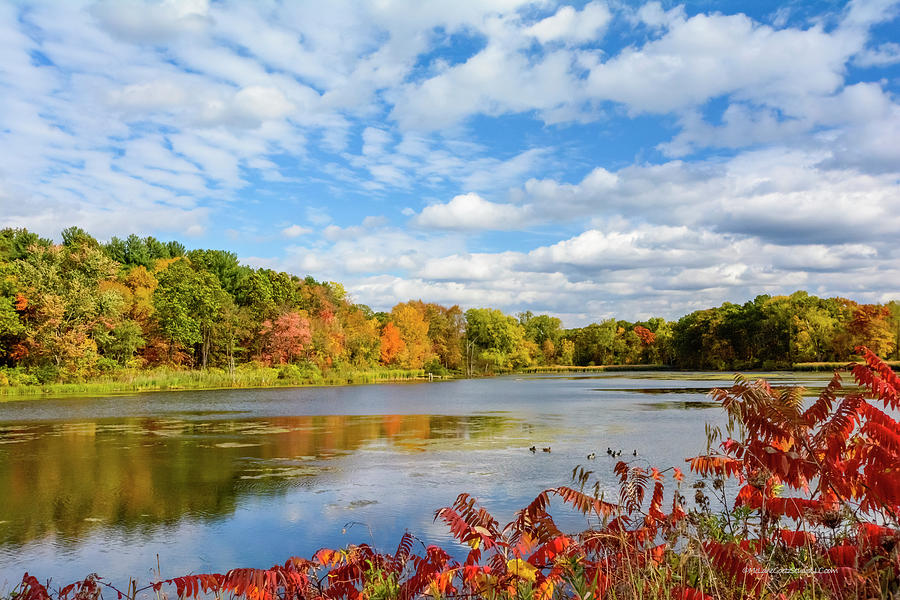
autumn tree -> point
(544, 332)
(565, 354)
(285, 338)
(446, 330)
(815, 326)
(361, 337)
(63, 309)
(409, 318)
(391, 344)
(870, 326)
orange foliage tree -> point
(870, 325)
(391, 343)
(646, 336)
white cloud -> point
(295, 230)
(654, 15)
(374, 141)
(471, 212)
(258, 103)
(747, 125)
(468, 267)
(880, 56)
(152, 22)
(351, 251)
(373, 221)
(499, 79)
(317, 216)
(149, 96)
(865, 13)
(787, 196)
(707, 56)
(570, 25)
(630, 271)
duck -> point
(609, 451)
(547, 449)
(591, 456)
(533, 449)
(634, 453)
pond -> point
(209, 481)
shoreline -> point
(166, 380)
(176, 381)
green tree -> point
(188, 306)
(76, 236)
(815, 326)
(594, 343)
(494, 341)
(16, 244)
(544, 332)
(11, 328)
(224, 265)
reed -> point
(246, 376)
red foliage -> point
(285, 339)
(738, 565)
(21, 302)
(646, 336)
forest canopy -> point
(80, 309)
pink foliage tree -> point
(286, 338)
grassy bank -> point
(807, 366)
(245, 376)
(836, 366)
(255, 376)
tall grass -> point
(245, 376)
(836, 366)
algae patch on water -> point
(236, 445)
(283, 472)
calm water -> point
(215, 480)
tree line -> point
(82, 308)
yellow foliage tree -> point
(410, 320)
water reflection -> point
(676, 405)
(64, 479)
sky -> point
(587, 160)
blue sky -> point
(587, 160)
